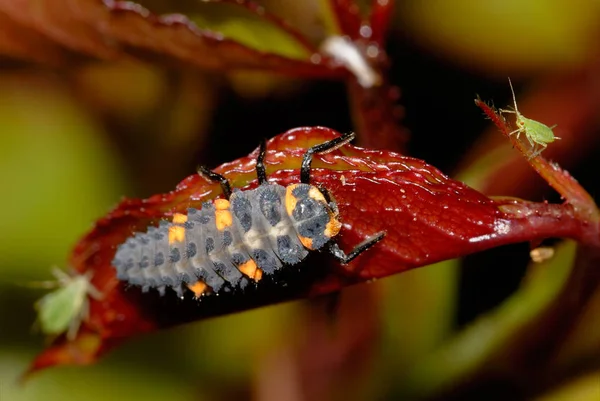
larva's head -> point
(315, 220)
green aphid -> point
(538, 134)
(63, 309)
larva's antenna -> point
(514, 97)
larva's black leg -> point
(328, 199)
(211, 175)
(321, 148)
(325, 193)
(260, 163)
(340, 255)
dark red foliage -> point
(109, 30)
(19, 42)
(377, 115)
(62, 32)
(427, 217)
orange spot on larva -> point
(176, 234)
(290, 199)
(250, 269)
(223, 219)
(307, 242)
(221, 204)
(198, 288)
(333, 226)
(179, 218)
(317, 195)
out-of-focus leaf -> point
(56, 173)
(419, 311)
(127, 381)
(347, 18)
(478, 348)
(69, 23)
(583, 388)
(177, 36)
(479, 172)
(110, 29)
(124, 90)
(21, 43)
(560, 34)
(265, 329)
(377, 117)
(427, 218)
(583, 341)
(333, 341)
(251, 25)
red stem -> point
(557, 178)
(381, 15)
(347, 14)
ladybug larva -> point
(229, 242)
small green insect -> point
(63, 309)
(538, 134)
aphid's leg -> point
(63, 277)
(211, 175)
(533, 154)
(518, 131)
(344, 258)
(535, 150)
(542, 147)
(94, 292)
(260, 163)
(531, 141)
(325, 147)
(91, 290)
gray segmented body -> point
(228, 242)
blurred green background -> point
(74, 142)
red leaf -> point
(21, 43)
(427, 217)
(175, 35)
(69, 23)
(273, 19)
(112, 29)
